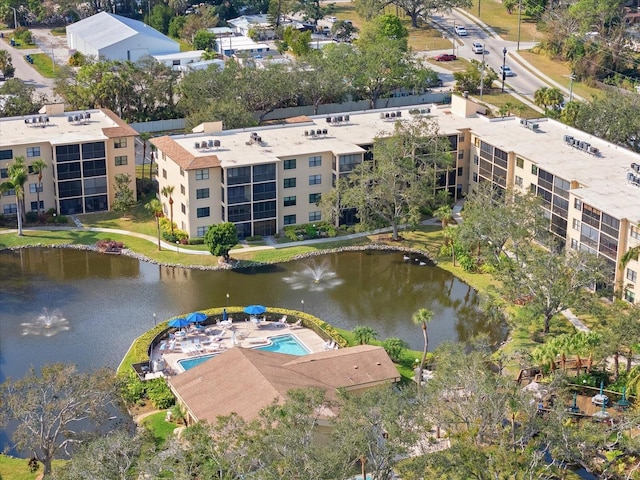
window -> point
(518, 181)
(67, 153)
(289, 219)
(94, 168)
(534, 169)
(476, 159)
(164, 173)
(460, 154)
(635, 233)
(289, 182)
(93, 150)
(182, 189)
(461, 137)
(183, 208)
(576, 224)
(315, 161)
(4, 173)
(95, 186)
(202, 174)
(33, 188)
(120, 143)
(264, 210)
(289, 201)
(460, 171)
(290, 164)
(632, 275)
(202, 193)
(6, 154)
(9, 193)
(201, 231)
(33, 152)
(10, 209)
(34, 206)
(181, 172)
(315, 216)
(264, 173)
(519, 162)
(315, 179)
(121, 160)
(475, 177)
(577, 204)
(630, 296)
(202, 212)
(264, 191)
(315, 198)
(176, 63)
(348, 162)
(575, 245)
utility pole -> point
(504, 63)
(15, 18)
(453, 39)
(482, 74)
(572, 77)
(519, 17)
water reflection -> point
(111, 300)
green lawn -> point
(504, 24)
(159, 427)
(17, 469)
(43, 64)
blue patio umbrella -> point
(255, 309)
(197, 317)
(179, 322)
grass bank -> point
(12, 468)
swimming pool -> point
(286, 343)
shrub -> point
(159, 393)
(394, 348)
(196, 241)
(31, 217)
(169, 237)
(255, 238)
(77, 59)
(332, 232)
(61, 219)
(133, 389)
(24, 35)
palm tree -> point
(444, 213)
(540, 97)
(144, 136)
(364, 334)
(167, 192)
(151, 155)
(38, 166)
(18, 175)
(155, 208)
(422, 317)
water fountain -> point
(315, 277)
(47, 324)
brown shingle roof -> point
(245, 381)
(122, 130)
(185, 159)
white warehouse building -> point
(113, 37)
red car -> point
(445, 57)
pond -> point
(64, 305)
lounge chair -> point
(297, 324)
(282, 322)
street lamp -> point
(227, 299)
(504, 64)
(302, 304)
(482, 74)
(519, 17)
(15, 18)
(572, 77)
(155, 320)
(178, 246)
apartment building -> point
(83, 151)
(263, 179)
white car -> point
(461, 31)
(477, 47)
(506, 71)
(332, 19)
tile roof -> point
(245, 381)
(185, 159)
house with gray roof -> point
(113, 37)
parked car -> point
(506, 71)
(435, 83)
(460, 31)
(477, 47)
(445, 57)
(332, 19)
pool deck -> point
(217, 338)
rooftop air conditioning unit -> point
(210, 143)
(346, 118)
(216, 143)
(196, 145)
(328, 119)
(398, 114)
